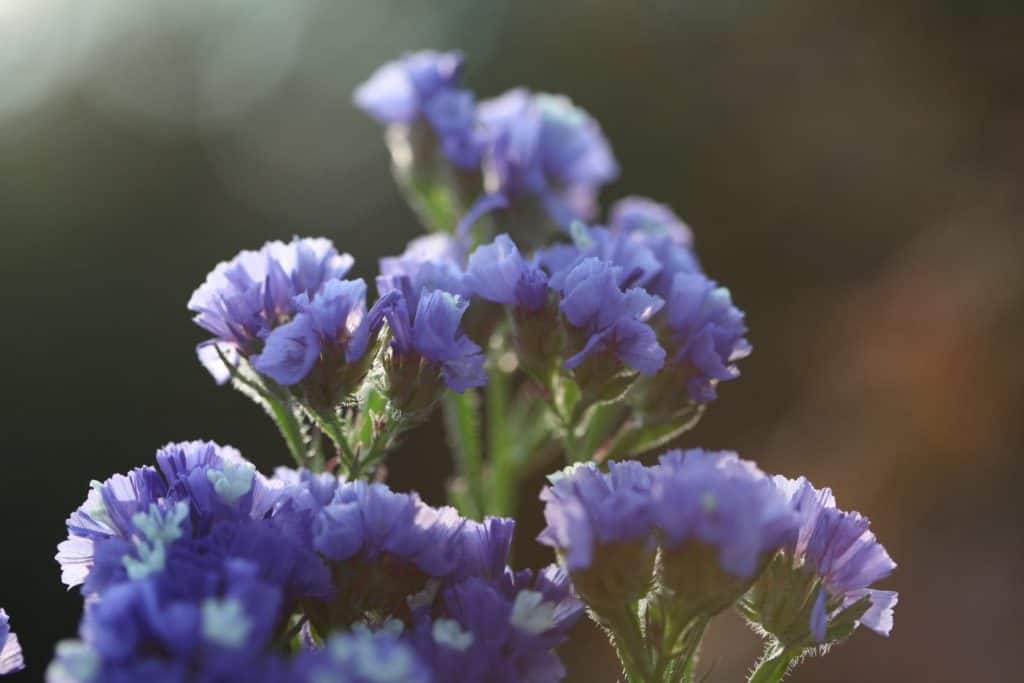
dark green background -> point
(852, 171)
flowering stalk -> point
(201, 568)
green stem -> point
(624, 631)
(462, 421)
(774, 665)
(284, 417)
(501, 450)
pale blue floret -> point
(448, 633)
(232, 482)
(531, 614)
(74, 662)
(152, 559)
(225, 622)
(364, 656)
(158, 529)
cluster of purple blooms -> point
(631, 293)
(717, 521)
(201, 569)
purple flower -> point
(428, 263)
(839, 548)
(211, 619)
(334, 325)
(586, 509)
(611, 320)
(655, 227)
(434, 333)
(10, 651)
(636, 263)
(721, 502)
(498, 631)
(497, 272)
(705, 333)
(130, 526)
(484, 548)
(366, 522)
(645, 217)
(425, 86)
(362, 656)
(545, 147)
(245, 300)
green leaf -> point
(638, 440)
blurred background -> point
(852, 172)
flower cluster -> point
(202, 569)
(424, 87)
(714, 517)
(10, 651)
(827, 572)
(538, 150)
(723, 533)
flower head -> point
(705, 334)
(481, 630)
(202, 498)
(543, 146)
(718, 500)
(497, 272)
(10, 651)
(648, 224)
(284, 308)
(428, 263)
(214, 619)
(424, 86)
(432, 334)
(361, 656)
(609, 319)
(840, 551)
(601, 525)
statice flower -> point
(204, 619)
(821, 586)
(720, 519)
(704, 333)
(424, 87)
(282, 308)
(601, 525)
(362, 656)
(544, 147)
(429, 262)
(201, 497)
(11, 660)
(647, 218)
(428, 344)
(609, 320)
(384, 546)
(505, 630)
(647, 224)
(498, 272)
